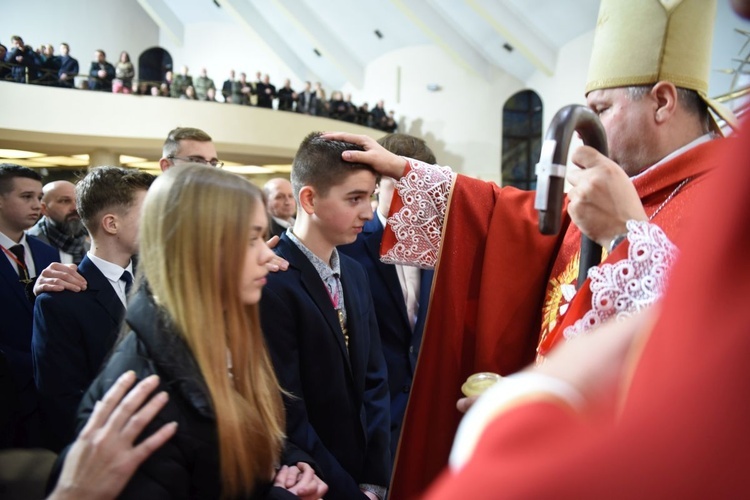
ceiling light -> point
(249, 169)
(62, 161)
(125, 159)
(17, 153)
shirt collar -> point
(324, 269)
(110, 270)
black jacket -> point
(187, 466)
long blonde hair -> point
(195, 229)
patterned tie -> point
(128, 279)
(20, 252)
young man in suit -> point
(20, 207)
(401, 293)
(320, 327)
(73, 332)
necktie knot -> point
(128, 279)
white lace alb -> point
(418, 224)
(626, 287)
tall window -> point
(522, 139)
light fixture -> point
(17, 153)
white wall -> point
(86, 25)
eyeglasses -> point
(198, 159)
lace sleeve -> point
(623, 288)
(419, 223)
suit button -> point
(411, 349)
(405, 389)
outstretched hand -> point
(380, 159)
(603, 197)
(103, 458)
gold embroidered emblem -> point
(551, 310)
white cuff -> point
(497, 399)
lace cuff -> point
(418, 225)
(626, 287)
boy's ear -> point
(110, 223)
(307, 199)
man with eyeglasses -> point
(188, 145)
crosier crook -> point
(550, 172)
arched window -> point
(522, 139)
(153, 63)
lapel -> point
(372, 240)
(316, 289)
(99, 286)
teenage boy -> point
(73, 332)
(23, 256)
(319, 322)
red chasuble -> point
(682, 432)
(496, 288)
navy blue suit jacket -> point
(16, 311)
(73, 333)
(338, 411)
(400, 343)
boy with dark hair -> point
(73, 332)
(319, 322)
(401, 293)
(20, 207)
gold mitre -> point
(641, 42)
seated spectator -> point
(202, 84)
(21, 59)
(101, 73)
(211, 95)
(68, 67)
(286, 96)
(189, 94)
(154, 91)
(205, 342)
(74, 331)
(181, 82)
(124, 74)
(164, 90)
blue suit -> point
(16, 311)
(400, 343)
(73, 333)
(338, 411)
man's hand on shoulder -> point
(276, 263)
(58, 277)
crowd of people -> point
(277, 369)
(22, 64)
